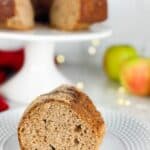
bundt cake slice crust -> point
(77, 14)
(93, 11)
(7, 9)
(22, 17)
(82, 110)
(64, 14)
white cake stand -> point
(39, 73)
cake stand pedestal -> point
(39, 73)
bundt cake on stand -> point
(39, 73)
(60, 14)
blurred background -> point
(82, 62)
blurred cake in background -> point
(61, 14)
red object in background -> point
(10, 63)
(3, 105)
(2, 76)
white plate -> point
(96, 31)
(123, 133)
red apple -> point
(135, 76)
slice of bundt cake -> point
(64, 119)
(16, 14)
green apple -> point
(135, 76)
(115, 56)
